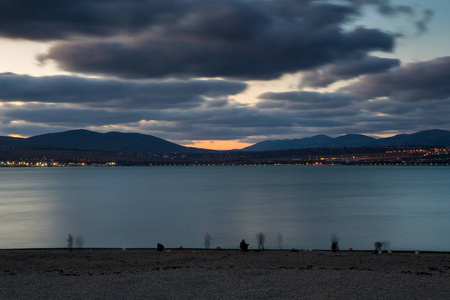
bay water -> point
(294, 206)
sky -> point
(224, 74)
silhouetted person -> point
(261, 238)
(244, 246)
(79, 241)
(207, 242)
(335, 246)
(160, 247)
(70, 242)
(334, 243)
(378, 247)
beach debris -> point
(207, 242)
(334, 243)
(160, 247)
(244, 246)
(416, 252)
(261, 238)
(280, 240)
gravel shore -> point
(221, 274)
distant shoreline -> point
(232, 165)
(85, 249)
(381, 155)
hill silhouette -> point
(434, 137)
(136, 142)
(85, 139)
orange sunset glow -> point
(18, 136)
(219, 145)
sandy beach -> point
(221, 274)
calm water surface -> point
(176, 206)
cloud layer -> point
(421, 81)
(174, 68)
(411, 97)
(324, 76)
(114, 93)
(235, 39)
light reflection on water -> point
(176, 206)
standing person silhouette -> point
(70, 242)
(261, 239)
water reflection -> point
(175, 206)
(27, 222)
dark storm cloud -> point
(415, 82)
(343, 70)
(424, 110)
(305, 100)
(63, 19)
(238, 39)
(114, 93)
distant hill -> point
(136, 142)
(85, 139)
(8, 142)
(424, 138)
(315, 141)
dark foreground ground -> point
(221, 274)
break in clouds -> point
(174, 69)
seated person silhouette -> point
(244, 246)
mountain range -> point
(85, 139)
(136, 142)
(434, 137)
